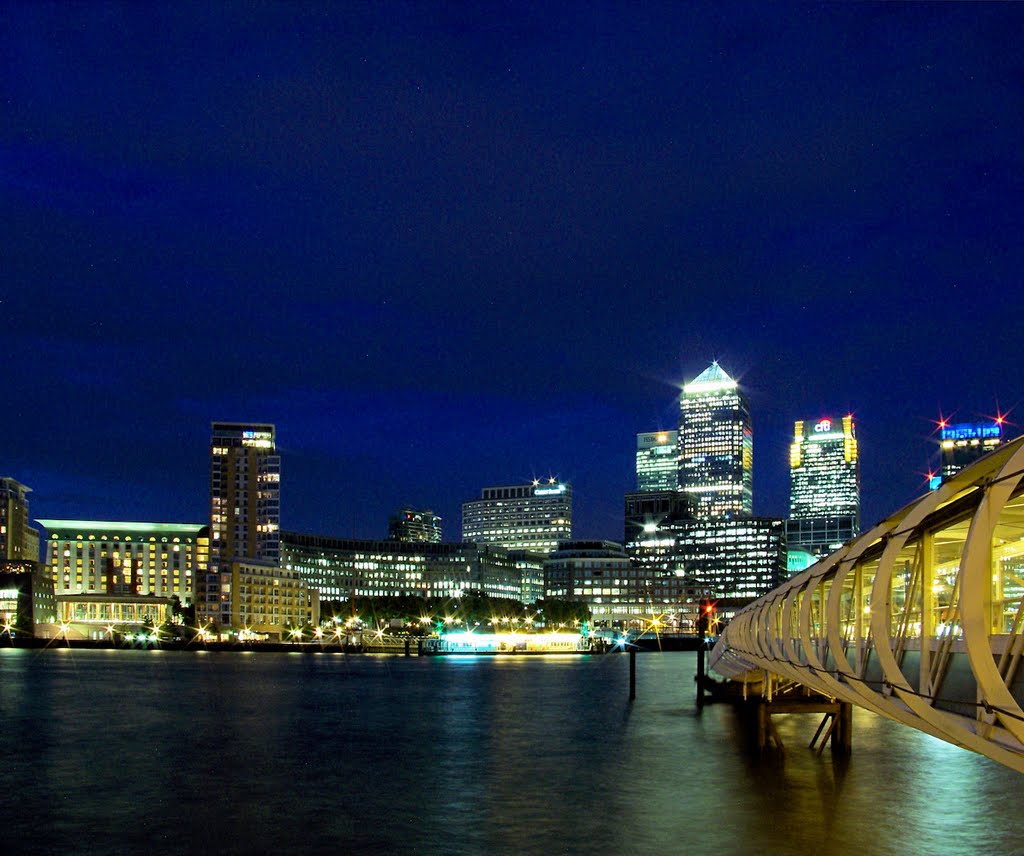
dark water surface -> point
(155, 752)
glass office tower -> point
(824, 492)
(657, 460)
(532, 517)
(716, 445)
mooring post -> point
(700, 673)
(408, 646)
(632, 674)
(702, 626)
(842, 737)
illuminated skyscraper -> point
(18, 540)
(716, 445)
(657, 461)
(824, 492)
(531, 517)
(245, 510)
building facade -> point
(27, 602)
(18, 540)
(824, 486)
(597, 573)
(408, 524)
(100, 616)
(95, 557)
(657, 461)
(343, 568)
(680, 558)
(269, 601)
(245, 511)
(735, 559)
(651, 521)
(532, 517)
(530, 569)
(716, 445)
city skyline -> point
(379, 528)
(447, 249)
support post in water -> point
(632, 674)
(700, 670)
(704, 611)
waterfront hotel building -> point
(245, 512)
(532, 517)
(716, 445)
(125, 558)
(824, 486)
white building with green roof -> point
(124, 558)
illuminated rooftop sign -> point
(972, 431)
(553, 490)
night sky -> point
(449, 246)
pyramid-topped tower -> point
(716, 445)
(713, 375)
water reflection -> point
(247, 754)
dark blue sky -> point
(444, 247)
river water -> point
(149, 751)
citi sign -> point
(823, 427)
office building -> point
(532, 517)
(18, 540)
(105, 557)
(716, 445)
(657, 461)
(734, 559)
(963, 443)
(408, 524)
(343, 568)
(245, 511)
(530, 571)
(648, 513)
(651, 521)
(597, 573)
(678, 558)
(27, 603)
(824, 487)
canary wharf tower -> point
(716, 446)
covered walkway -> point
(920, 619)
